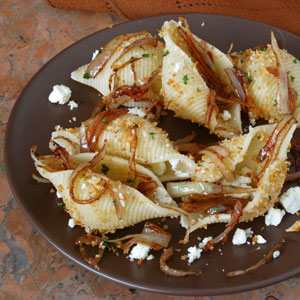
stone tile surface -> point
(31, 34)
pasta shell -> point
(185, 91)
(245, 163)
(101, 214)
(148, 59)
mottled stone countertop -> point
(31, 34)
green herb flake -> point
(108, 245)
(132, 58)
(129, 180)
(292, 78)
(198, 90)
(146, 55)
(115, 203)
(152, 135)
(269, 198)
(282, 241)
(142, 47)
(61, 205)
(185, 79)
(86, 75)
(36, 154)
(85, 178)
(275, 102)
(105, 121)
(215, 209)
(298, 106)
(104, 169)
(72, 278)
(234, 66)
(295, 60)
(250, 79)
(263, 49)
(288, 72)
(166, 53)
(115, 70)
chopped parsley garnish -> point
(263, 49)
(36, 154)
(292, 78)
(288, 72)
(72, 278)
(234, 66)
(298, 106)
(185, 79)
(152, 134)
(198, 90)
(146, 55)
(275, 102)
(166, 53)
(61, 205)
(104, 169)
(142, 47)
(295, 60)
(85, 178)
(86, 75)
(108, 245)
(115, 70)
(250, 79)
(115, 203)
(129, 180)
(215, 209)
(132, 58)
(105, 121)
(269, 198)
(282, 241)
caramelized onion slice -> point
(145, 187)
(105, 54)
(166, 269)
(268, 257)
(222, 237)
(152, 235)
(283, 86)
(218, 161)
(99, 123)
(275, 137)
(186, 139)
(40, 179)
(239, 90)
(94, 241)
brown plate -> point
(34, 117)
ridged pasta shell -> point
(184, 90)
(269, 185)
(153, 145)
(101, 214)
(125, 76)
(263, 88)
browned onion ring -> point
(222, 237)
(90, 240)
(166, 269)
(267, 258)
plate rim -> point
(13, 188)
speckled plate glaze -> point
(34, 117)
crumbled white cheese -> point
(137, 111)
(252, 122)
(202, 24)
(58, 195)
(290, 200)
(260, 239)
(150, 257)
(274, 216)
(204, 242)
(71, 223)
(95, 53)
(139, 251)
(74, 119)
(240, 236)
(240, 181)
(60, 94)
(72, 104)
(193, 253)
(226, 115)
(276, 254)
